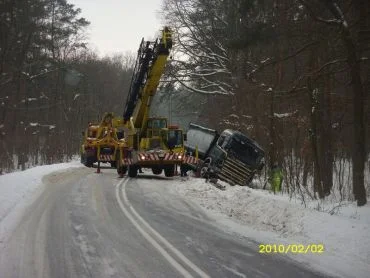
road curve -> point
(96, 225)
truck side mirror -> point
(185, 137)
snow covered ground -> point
(343, 229)
(19, 189)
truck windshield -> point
(157, 123)
(245, 152)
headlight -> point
(180, 156)
(142, 157)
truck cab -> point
(231, 156)
(237, 145)
(236, 158)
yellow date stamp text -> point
(291, 248)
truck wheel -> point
(132, 171)
(122, 170)
(157, 170)
(249, 181)
(204, 172)
(169, 171)
(89, 161)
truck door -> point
(218, 152)
(224, 144)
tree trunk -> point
(326, 138)
(272, 146)
(315, 130)
(358, 154)
(315, 138)
(358, 157)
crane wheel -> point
(157, 170)
(88, 161)
(169, 171)
(132, 171)
(122, 170)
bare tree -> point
(201, 60)
(359, 150)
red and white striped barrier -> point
(143, 156)
(190, 160)
(106, 157)
(127, 161)
(150, 157)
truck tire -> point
(204, 172)
(122, 170)
(157, 170)
(169, 171)
(132, 171)
(89, 161)
(249, 181)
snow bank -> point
(18, 190)
(274, 219)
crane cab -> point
(173, 138)
(158, 135)
(151, 138)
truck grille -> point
(236, 172)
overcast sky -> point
(119, 25)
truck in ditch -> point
(230, 155)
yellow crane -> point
(102, 142)
(151, 142)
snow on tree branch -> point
(202, 62)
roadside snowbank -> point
(274, 219)
(251, 213)
(18, 190)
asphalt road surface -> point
(96, 225)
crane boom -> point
(149, 67)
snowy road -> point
(89, 225)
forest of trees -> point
(293, 74)
(51, 84)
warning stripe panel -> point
(167, 157)
(127, 161)
(106, 157)
(147, 157)
(190, 160)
